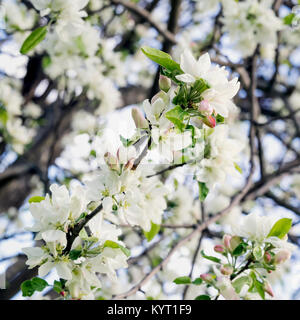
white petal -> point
(186, 78)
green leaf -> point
(74, 254)
(176, 116)
(33, 39)
(197, 281)
(203, 191)
(239, 283)
(115, 245)
(36, 199)
(39, 284)
(211, 258)
(281, 228)
(161, 58)
(125, 142)
(220, 119)
(153, 231)
(28, 287)
(238, 168)
(240, 249)
(199, 87)
(3, 115)
(46, 62)
(257, 286)
(182, 280)
(93, 153)
(57, 286)
(203, 297)
(289, 18)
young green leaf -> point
(203, 191)
(153, 231)
(238, 168)
(126, 142)
(197, 281)
(36, 36)
(75, 254)
(203, 297)
(289, 18)
(161, 58)
(211, 258)
(281, 228)
(36, 199)
(28, 287)
(239, 283)
(39, 284)
(115, 245)
(182, 280)
(57, 286)
(240, 249)
(177, 115)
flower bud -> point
(226, 240)
(111, 161)
(139, 119)
(219, 248)
(206, 277)
(62, 293)
(162, 95)
(234, 242)
(282, 256)
(267, 287)
(210, 121)
(267, 257)
(129, 164)
(205, 108)
(164, 83)
(226, 270)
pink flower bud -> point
(164, 83)
(205, 108)
(267, 257)
(226, 270)
(267, 287)
(226, 240)
(210, 121)
(219, 248)
(206, 277)
(139, 119)
(282, 256)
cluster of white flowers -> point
(18, 16)
(11, 110)
(253, 19)
(100, 253)
(76, 54)
(257, 246)
(222, 157)
(136, 199)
